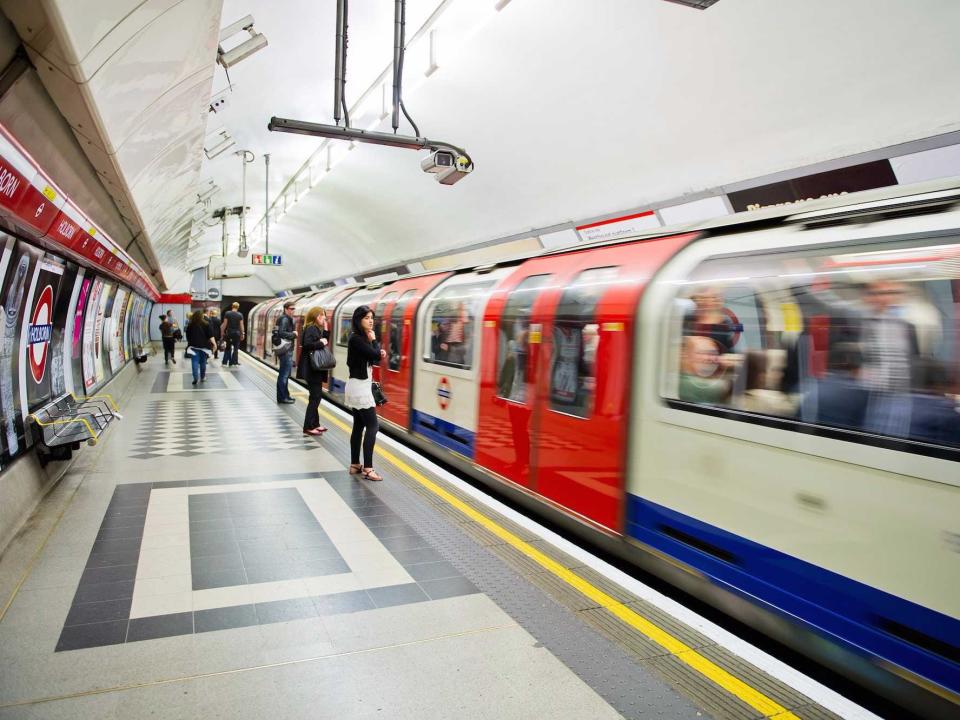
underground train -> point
(763, 410)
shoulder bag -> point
(322, 359)
(378, 397)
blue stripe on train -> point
(849, 611)
(337, 387)
(444, 433)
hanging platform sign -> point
(266, 259)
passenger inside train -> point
(855, 340)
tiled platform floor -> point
(214, 563)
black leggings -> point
(312, 418)
(365, 419)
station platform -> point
(208, 560)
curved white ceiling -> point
(571, 110)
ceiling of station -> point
(570, 110)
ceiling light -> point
(696, 4)
(256, 41)
(220, 144)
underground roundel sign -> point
(443, 393)
(40, 329)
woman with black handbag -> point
(363, 351)
(312, 368)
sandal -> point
(371, 474)
(313, 431)
(356, 469)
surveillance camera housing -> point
(438, 161)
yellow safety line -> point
(684, 653)
(66, 421)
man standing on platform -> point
(285, 334)
(233, 332)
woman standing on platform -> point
(199, 344)
(363, 351)
(315, 336)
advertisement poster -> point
(13, 295)
(91, 341)
(59, 359)
(76, 342)
(36, 352)
(101, 355)
(114, 331)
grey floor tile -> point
(448, 587)
(405, 542)
(212, 563)
(123, 557)
(372, 521)
(113, 546)
(283, 610)
(160, 626)
(92, 635)
(218, 546)
(260, 556)
(104, 591)
(322, 566)
(273, 572)
(417, 555)
(120, 532)
(396, 595)
(218, 578)
(306, 540)
(346, 602)
(432, 571)
(85, 613)
(224, 618)
(109, 574)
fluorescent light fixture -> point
(695, 4)
(243, 50)
(434, 52)
(256, 41)
(218, 147)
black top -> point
(198, 335)
(166, 329)
(234, 319)
(214, 322)
(310, 342)
(285, 327)
(361, 353)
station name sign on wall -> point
(266, 259)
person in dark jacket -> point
(199, 344)
(935, 414)
(214, 320)
(166, 337)
(286, 330)
(363, 351)
(315, 336)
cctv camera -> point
(437, 161)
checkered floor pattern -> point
(222, 426)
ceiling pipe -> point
(338, 81)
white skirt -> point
(358, 394)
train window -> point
(513, 340)
(396, 330)
(576, 338)
(345, 324)
(453, 313)
(378, 313)
(858, 339)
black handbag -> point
(378, 397)
(322, 359)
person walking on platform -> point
(166, 338)
(363, 351)
(199, 344)
(214, 321)
(284, 334)
(233, 332)
(315, 336)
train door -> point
(379, 327)
(516, 320)
(341, 331)
(299, 315)
(331, 302)
(272, 315)
(396, 370)
(446, 384)
(584, 378)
